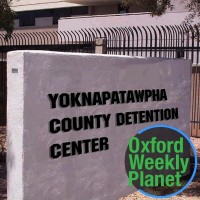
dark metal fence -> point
(51, 41)
(162, 41)
(158, 41)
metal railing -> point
(159, 41)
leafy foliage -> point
(6, 17)
(194, 8)
(159, 8)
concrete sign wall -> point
(70, 117)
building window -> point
(79, 10)
(59, 13)
(26, 19)
(123, 9)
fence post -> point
(180, 53)
(100, 45)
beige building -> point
(106, 16)
(46, 13)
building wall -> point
(43, 21)
(105, 21)
(172, 17)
